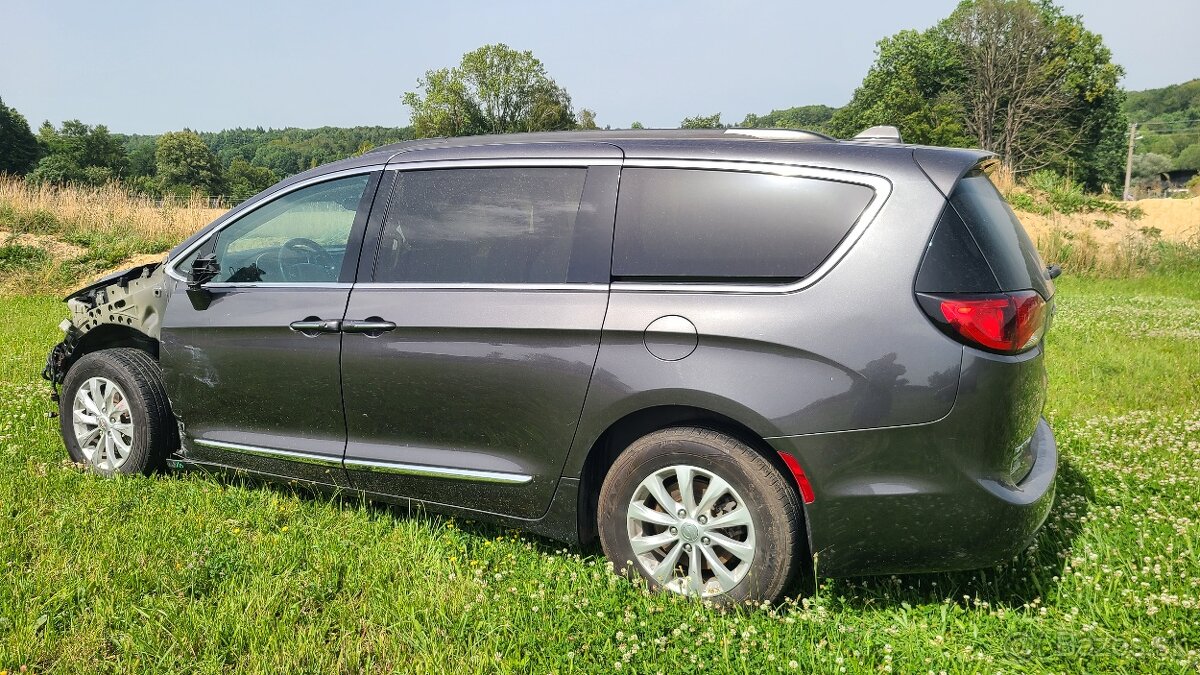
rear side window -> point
(1000, 236)
(504, 225)
(713, 225)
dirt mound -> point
(1176, 220)
(58, 249)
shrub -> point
(17, 257)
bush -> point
(1046, 192)
(17, 257)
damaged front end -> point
(121, 309)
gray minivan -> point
(729, 355)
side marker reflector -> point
(806, 490)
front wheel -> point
(700, 513)
(114, 414)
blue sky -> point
(149, 67)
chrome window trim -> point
(439, 472)
(279, 284)
(881, 186)
(581, 287)
(174, 273)
(368, 465)
(502, 162)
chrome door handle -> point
(371, 327)
(314, 326)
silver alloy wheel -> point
(691, 531)
(103, 423)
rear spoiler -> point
(944, 166)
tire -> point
(138, 431)
(762, 556)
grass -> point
(185, 573)
(84, 231)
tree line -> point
(1017, 77)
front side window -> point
(502, 225)
(300, 237)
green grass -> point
(191, 574)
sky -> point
(150, 67)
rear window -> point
(1000, 236)
(712, 225)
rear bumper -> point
(929, 509)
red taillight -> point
(1002, 322)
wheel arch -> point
(624, 431)
(109, 336)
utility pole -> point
(1129, 162)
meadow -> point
(191, 573)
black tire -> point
(773, 507)
(137, 376)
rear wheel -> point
(114, 414)
(696, 512)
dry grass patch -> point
(55, 238)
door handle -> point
(314, 325)
(371, 327)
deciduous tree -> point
(18, 146)
(702, 122)
(184, 164)
(494, 89)
(1017, 77)
(79, 153)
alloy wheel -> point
(691, 531)
(103, 423)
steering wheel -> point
(314, 254)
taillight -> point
(1008, 323)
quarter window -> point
(702, 224)
(503, 225)
(299, 237)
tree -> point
(913, 85)
(1016, 77)
(813, 117)
(184, 164)
(246, 180)
(702, 122)
(493, 90)
(79, 153)
(587, 119)
(1189, 157)
(18, 146)
(636, 125)
(1150, 165)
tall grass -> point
(1079, 253)
(85, 230)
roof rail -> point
(777, 134)
(879, 134)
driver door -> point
(254, 372)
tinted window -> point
(510, 225)
(299, 237)
(1001, 238)
(719, 224)
(953, 262)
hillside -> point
(1168, 121)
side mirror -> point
(204, 269)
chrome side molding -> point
(401, 468)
